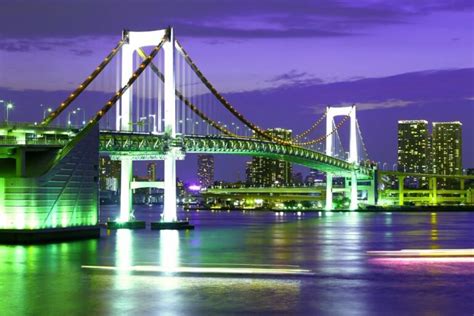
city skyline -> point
(427, 74)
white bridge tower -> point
(134, 41)
(353, 152)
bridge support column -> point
(169, 205)
(329, 205)
(463, 192)
(126, 177)
(354, 204)
(434, 191)
(20, 162)
(401, 186)
(371, 193)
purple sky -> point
(395, 59)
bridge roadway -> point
(147, 146)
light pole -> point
(45, 110)
(383, 166)
(49, 110)
(69, 117)
(83, 116)
(8, 106)
(2, 101)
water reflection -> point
(48, 279)
(388, 235)
(123, 259)
(38, 279)
(169, 250)
(124, 248)
(434, 228)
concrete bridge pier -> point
(354, 203)
(371, 193)
(401, 187)
(169, 203)
(329, 204)
(433, 186)
(126, 178)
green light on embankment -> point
(18, 217)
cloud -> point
(27, 45)
(376, 105)
(82, 52)
(211, 18)
(291, 75)
(294, 77)
(393, 93)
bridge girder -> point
(157, 145)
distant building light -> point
(194, 187)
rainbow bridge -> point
(161, 107)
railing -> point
(39, 141)
(282, 187)
(20, 125)
(24, 133)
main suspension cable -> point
(112, 101)
(322, 138)
(311, 128)
(224, 102)
(54, 114)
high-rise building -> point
(151, 171)
(205, 170)
(249, 173)
(413, 144)
(267, 172)
(447, 149)
(438, 153)
(109, 174)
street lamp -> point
(8, 106)
(45, 110)
(83, 115)
(49, 110)
(2, 101)
(69, 117)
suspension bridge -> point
(156, 104)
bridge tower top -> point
(332, 112)
(135, 41)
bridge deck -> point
(147, 146)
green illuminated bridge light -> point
(151, 146)
(39, 191)
(27, 134)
